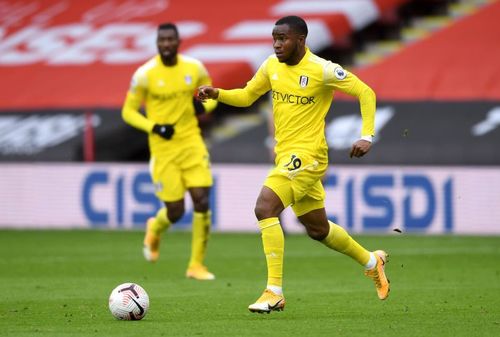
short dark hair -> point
(296, 23)
(169, 25)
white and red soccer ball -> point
(129, 301)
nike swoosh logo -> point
(141, 309)
(274, 306)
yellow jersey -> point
(167, 95)
(302, 95)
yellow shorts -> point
(175, 172)
(296, 179)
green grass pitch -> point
(57, 283)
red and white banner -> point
(69, 53)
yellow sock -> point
(161, 222)
(273, 241)
(201, 232)
(339, 240)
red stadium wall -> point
(77, 54)
(460, 62)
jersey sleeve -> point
(254, 88)
(135, 97)
(340, 79)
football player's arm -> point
(244, 97)
(350, 84)
(130, 111)
(131, 114)
(353, 86)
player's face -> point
(287, 44)
(167, 42)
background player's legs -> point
(168, 215)
(155, 227)
(200, 233)
(175, 210)
(169, 187)
(160, 222)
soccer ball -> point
(129, 301)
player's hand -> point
(207, 91)
(199, 109)
(164, 130)
(360, 148)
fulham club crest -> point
(303, 81)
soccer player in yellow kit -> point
(302, 84)
(166, 85)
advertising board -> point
(368, 199)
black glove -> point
(199, 109)
(164, 130)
